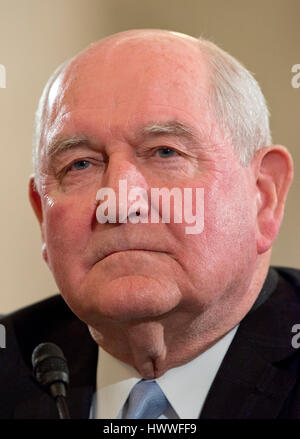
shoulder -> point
(36, 321)
(291, 275)
(39, 312)
(48, 320)
(288, 288)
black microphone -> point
(51, 371)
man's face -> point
(111, 99)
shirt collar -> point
(186, 386)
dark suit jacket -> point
(258, 378)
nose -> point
(124, 194)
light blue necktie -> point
(146, 401)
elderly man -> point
(200, 320)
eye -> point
(166, 152)
(79, 165)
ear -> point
(273, 169)
(36, 203)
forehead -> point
(133, 79)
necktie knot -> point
(146, 401)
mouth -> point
(129, 250)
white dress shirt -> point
(186, 387)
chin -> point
(134, 298)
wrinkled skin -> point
(152, 295)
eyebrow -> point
(61, 144)
(172, 127)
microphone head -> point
(50, 365)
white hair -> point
(38, 120)
(235, 100)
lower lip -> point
(129, 250)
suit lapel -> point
(252, 381)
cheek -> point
(227, 242)
(229, 212)
(231, 204)
(68, 224)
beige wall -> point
(37, 35)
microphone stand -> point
(62, 408)
(58, 391)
